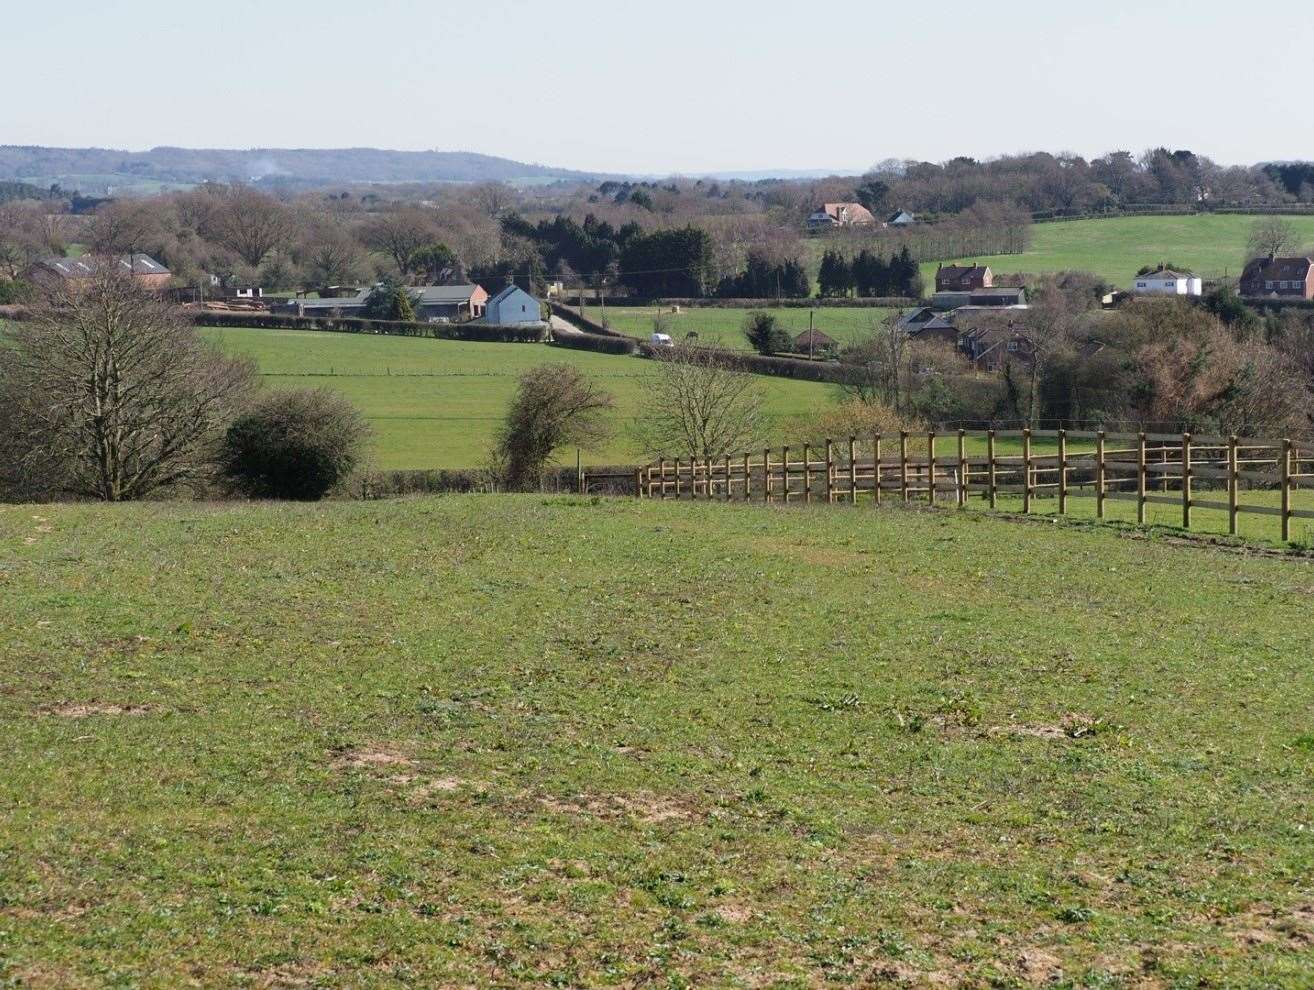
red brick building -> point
(963, 278)
(62, 271)
(1278, 278)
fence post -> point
(962, 467)
(930, 467)
(638, 483)
(784, 474)
(1026, 470)
(876, 468)
(748, 478)
(677, 479)
(1099, 475)
(830, 470)
(579, 473)
(1285, 474)
(1186, 481)
(1063, 472)
(807, 473)
(903, 464)
(1140, 480)
(1233, 484)
(727, 477)
(853, 470)
(766, 474)
(992, 479)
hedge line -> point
(613, 344)
(388, 484)
(484, 332)
(831, 372)
(829, 302)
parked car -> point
(661, 340)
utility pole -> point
(812, 340)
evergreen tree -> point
(765, 333)
(836, 275)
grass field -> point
(436, 403)
(557, 742)
(725, 326)
(1212, 246)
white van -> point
(661, 340)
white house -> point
(511, 306)
(1166, 282)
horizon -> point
(706, 90)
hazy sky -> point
(661, 87)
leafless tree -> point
(249, 223)
(555, 406)
(699, 405)
(105, 393)
(399, 234)
(883, 359)
(330, 255)
(1271, 236)
(492, 197)
(126, 227)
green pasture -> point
(510, 741)
(437, 403)
(725, 326)
(1211, 245)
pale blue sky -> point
(672, 86)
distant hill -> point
(88, 168)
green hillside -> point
(1213, 246)
(437, 403)
(527, 741)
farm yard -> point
(502, 741)
(437, 403)
(1211, 245)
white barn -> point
(511, 306)
(1167, 282)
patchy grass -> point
(576, 742)
(437, 403)
(1213, 246)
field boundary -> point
(1144, 468)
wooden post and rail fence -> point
(1141, 468)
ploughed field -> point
(438, 403)
(517, 740)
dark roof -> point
(960, 271)
(86, 266)
(506, 292)
(1270, 269)
(814, 338)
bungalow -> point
(963, 278)
(1166, 282)
(432, 303)
(840, 215)
(513, 305)
(1278, 278)
(145, 270)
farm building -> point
(511, 306)
(900, 218)
(1279, 278)
(840, 215)
(433, 303)
(1166, 282)
(53, 271)
(963, 278)
(1000, 296)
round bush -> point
(294, 445)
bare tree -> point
(699, 405)
(1270, 236)
(492, 197)
(400, 234)
(555, 406)
(883, 359)
(106, 393)
(249, 223)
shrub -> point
(765, 333)
(294, 445)
(555, 406)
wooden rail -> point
(1145, 469)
